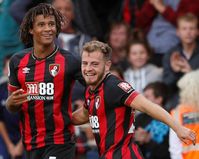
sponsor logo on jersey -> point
(25, 70)
(125, 86)
(94, 123)
(54, 69)
(40, 90)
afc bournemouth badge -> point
(97, 102)
(54, 69)
(88, 101)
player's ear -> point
(108, 65)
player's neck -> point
(42, 51)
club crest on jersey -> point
(54, 69)
(97, 102)
(88, 101)
(125, 86)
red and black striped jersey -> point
(112, 119)
(46, 117)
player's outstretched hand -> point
(186, 135)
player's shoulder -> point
(71, 57)
(113, 82)
(20, 54)
(111, 79)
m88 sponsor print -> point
(94, 122)
(40, 90)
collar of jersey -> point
(96, 89)
(47, 57)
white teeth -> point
(46, 35)
(89, 74)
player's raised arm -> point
(144, 105)
(80, 116)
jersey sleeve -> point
(120, 93)
(13, 83)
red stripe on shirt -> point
(21, 78)
(119, 131)
(39, 105)
(126, 153)
(130, 98)
(12, 88)
(70, 127)
(135, 149)
(102, 123)
(58, 91)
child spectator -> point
(152, 135)
(140, 72)
(187, 113)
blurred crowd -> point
(155, 48)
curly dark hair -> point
(41, 9)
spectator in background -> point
(141, 72)
(4, 77)
(70, 38)
(107, 11)
(151, 135)
(86, 18)
(183, 7)
(128, 10)
(19, 8)
(118, 38)
(161, 34)
(187, 113)
(10, 139)
(117, 71)
(9, 34)
(184, 57)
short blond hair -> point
(98, 46)
(188, 17)
(189, 88)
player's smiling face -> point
(44, 30)
(94, 67)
